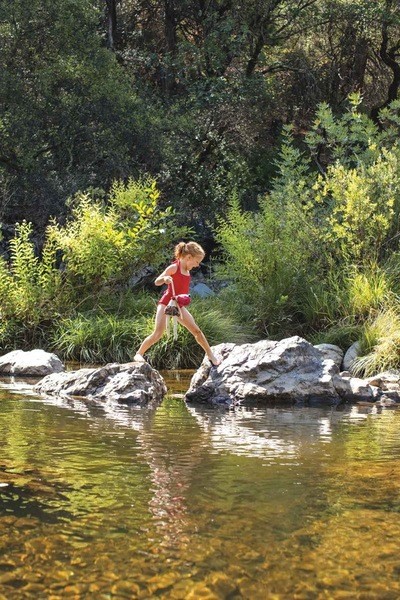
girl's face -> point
(191, 262)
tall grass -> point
(109, 337)
(98, 339)
(380, 343)
(217, 324)
(338, 306)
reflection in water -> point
(171, 461)
(267, 432)
(103, 501)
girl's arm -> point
(166, 276)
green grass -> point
(380, 343)
(99, 338)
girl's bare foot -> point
(215, 362)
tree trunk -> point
(170, 46)
(388, 55)
(111, 14)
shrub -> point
(100, 247)
(30, 288)
(268, 259)
(337, 306)
(103, 243)
(360, 209)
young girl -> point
(187, 257)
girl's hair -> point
(192, 248)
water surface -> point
(108, 501)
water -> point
(107, 501)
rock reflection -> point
(19, 385)
(266, 432)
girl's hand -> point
(168, 279)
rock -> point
(332, 352)
(345, 374)
(33, 363)
(144, 277)
(350, 388)
(352, 353)
(386, 402)
(360, 389)
(291, 370)
(385, 380)
(202, 290)
(132, 383)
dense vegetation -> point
(268, 128)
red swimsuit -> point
(181, 285)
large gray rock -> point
(33, 363)
(132, 383)
(352, 353)
(331, 351)
(290, 370)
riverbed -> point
(187, 502)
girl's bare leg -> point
(159, 328)
(190, 324)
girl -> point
(187, 257)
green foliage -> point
(348, 138)
(29, 286)
(361, 205)
(217, 324)
(98, 338)
(342, 333)
(336, 307)
(69, 116)
(101, 246)
(380, 342)
(104, 338)
(369, 290)
(265, 255)
(310, 260)
(123, 303)
(104, 243)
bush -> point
(268, 260)
(100, 247)
(336, 308)
(103, 243)
(31, 289)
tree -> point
(69, 118)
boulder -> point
(332, 352)
(202, 290)
(132, 383)
(352, 353)
(33, 363)
(387, 382)
(290, 370)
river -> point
(186, 502)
